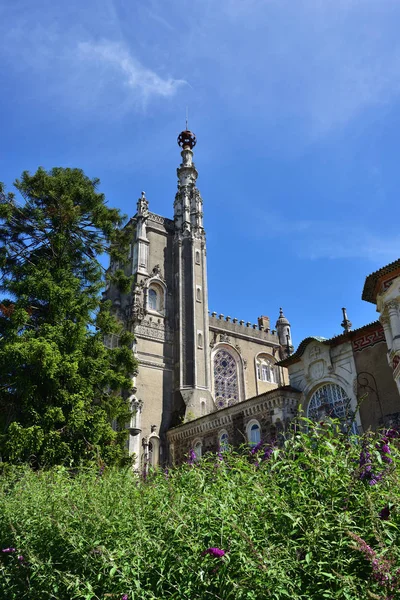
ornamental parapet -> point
(242, 329)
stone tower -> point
(192, 365)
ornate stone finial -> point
(187, 139)
(346, 324)
(142, 206)
(282, 320)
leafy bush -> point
(317, 518)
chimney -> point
(263, 322)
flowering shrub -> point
(300, 521)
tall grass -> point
(317, 518)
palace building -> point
(206, 381)
(191, 363)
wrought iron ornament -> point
(187, 139)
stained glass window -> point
(223, 441)
(330, 400)
(226, 387)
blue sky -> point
(295, 104)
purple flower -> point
(217, 552)
(256, 448)
(21, 558)
(8, 550)
(124, 597)
(192, 457)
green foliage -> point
(284, 524)
(60, 387)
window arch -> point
(266, 369)
(330, 400)
(223, 439)
(226, 385)
(154, 450)
(253, 432)
(156, 298)
(198, 449)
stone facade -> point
(348, 373)
(383, 289)
(191, 364)
(210, 380)
(271, 411)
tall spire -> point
(192, 368)
(188, 206)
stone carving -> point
(314, 352)
(138, 302)
(224, 337)
(317, 369)
(168, 223)
(154, 331)
(156, 272)
(142, 206)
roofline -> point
(371, 284)
(333, 341)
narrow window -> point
(197, 257)
(223, 441)
(254, 434)
(152, 299)
(199, 340)
(198, 294)
(198, 449)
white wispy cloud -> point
(134, 75)
(319, 239)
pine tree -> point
(61, 388)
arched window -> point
(226, 389)
(155, 297)
(253, 433)
(154, 451)
(198, 447)
(330, 400)
(266, 370)
(153, 304)
(223, 440)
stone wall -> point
(273, 411)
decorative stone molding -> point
(285, 401)
(168, 223)
(368, 339)
(153, 330)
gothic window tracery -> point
(331, 401)
(226, 388)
